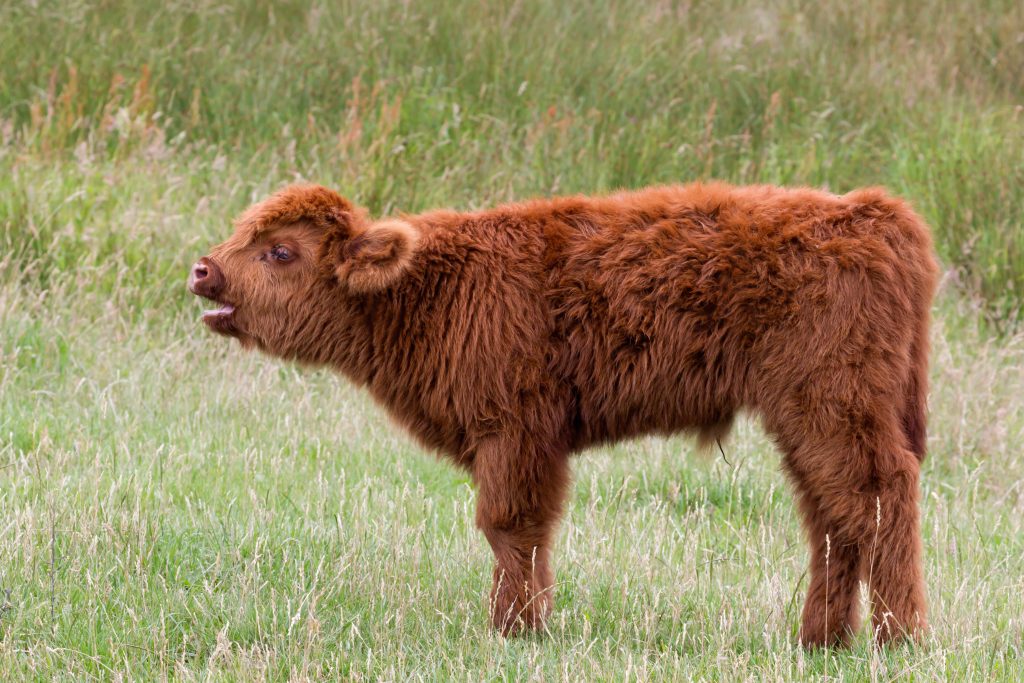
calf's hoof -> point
(518, 609)
(889, 631)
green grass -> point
(171, 507)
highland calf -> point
(511, 338)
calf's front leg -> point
(521, 489)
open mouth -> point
(222, 311)
(221, 319)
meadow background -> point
(174, 508)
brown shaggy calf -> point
(510, 338)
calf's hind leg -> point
(520, 493)
(866, 491)
(893, 558)
(830, 615)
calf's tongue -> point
(226, 309)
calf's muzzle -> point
(206, 279)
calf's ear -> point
(376, 257)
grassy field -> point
(174, 508)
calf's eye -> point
(281, 253)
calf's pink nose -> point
(205, 279)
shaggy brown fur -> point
(510, 338)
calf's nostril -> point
(205, 279)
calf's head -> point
(295, 266)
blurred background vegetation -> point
(192, 109)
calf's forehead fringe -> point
(294, 203)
